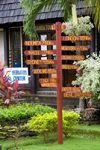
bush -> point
(24, 111)
(83, 26)
(9, 89)
(12, 118)
(88, 76)
(47, 123)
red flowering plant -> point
(9, 90)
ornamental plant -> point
(83, 27)
(9, 90)
(47, 123)
(88, 76)
(22, 111)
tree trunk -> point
(81, 104)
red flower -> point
(90, 104)
(77, 70)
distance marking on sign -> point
(44, 71)
(73, 57)
(86, 94)
(76, 38)
(47, 80)
(71, 89)
(40, 52)
(74, 48)
(37, 43)
(38, 62)
(48, 85)
(70, 66)
(53, 27)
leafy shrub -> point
(47, 123)
(88, 76)
(23, 111)
(13, 132)
(83, 26)
(9, 90)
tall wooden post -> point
(59, 82)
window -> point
(14, 48)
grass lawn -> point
(76, 142)
(91, 127)
(73, 143)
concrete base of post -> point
(0, 147)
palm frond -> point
(33, 8)
(95, 11)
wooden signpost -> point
(56, 79)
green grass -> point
(90, 131)
(76, 142)
(91, 127)
(73, 143)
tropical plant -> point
(83, 26)
(47, 123)
(94, 10)
(88, 76)
(32, 8)
(22, 111)
(9, 90)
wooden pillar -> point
(6, 52)
(59, 82)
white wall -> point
(2, 47)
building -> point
(12, 39)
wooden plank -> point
(40, 52)
(86, 94)
(37, 43)
(47, 80)
(76, 38)
(45, 83)
(48, 85)
(70, 66)
(71, 89)
(74, 48)
(53, 27)
(38, 62)
(44, 71)
(73, 57)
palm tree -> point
(32, 9)
(95, 11)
